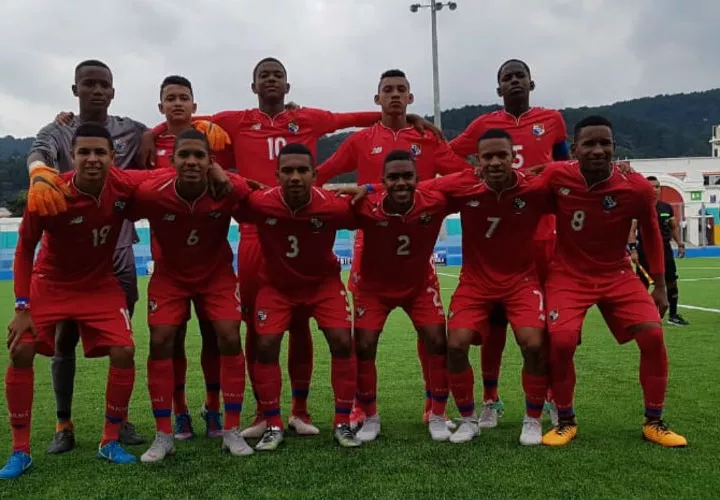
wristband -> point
(632, 246)
(22, 304)
(369, 187)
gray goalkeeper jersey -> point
(53, 141)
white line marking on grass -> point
(700, 279)
(448, 274)
(698, 308)
(689, 268)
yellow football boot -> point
(561, 435)
(658, 432)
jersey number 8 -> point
(578, 220)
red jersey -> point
(496, 227)
(298, 244)
(192, 237)
(365, 151)
(397, 247)
(593, 222)
(164, 145)
(78, 245)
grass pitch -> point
(607, 460)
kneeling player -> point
(73, 280)
(296, 224)
(498, 216)
(595, 205)
(400, 226)
(190, 228)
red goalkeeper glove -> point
(216, 135)
(47, 192)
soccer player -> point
(498, 214)
(595, 205)
(188, 226)
(257, 136)
(539, 136)
(51, 152)
(177, 103)
(296, 225)
(73, 280)
(669, 230)
(365, 152)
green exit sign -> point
(695, 195)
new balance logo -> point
(376, 150)
(76, 220)
(169, 217)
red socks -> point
(535, 387)
(268, 383)
(562, 371)
(344, 381)
(211, 373)
(462, 387)
(367, 386)
(180, 377)
(117, 397)
(653, 370)
(491, 353)
(19, 387)
(160, 372)
(232, 381)
(300, 364)
(438, 383)
(425, 365)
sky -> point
(581, 52)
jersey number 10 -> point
(275, 144)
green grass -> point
(608, 459)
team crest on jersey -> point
(257, 126)
(553, 316)
(293, 127)
(119, 145)
(316, 223)
(519, 204)
(538, 129)
(120, 205)
(376, 150)
(609, 203)
(271, 221)
(360, 311)
(152, 306)
(473, 203)
(564, 191)
(415, 149)
(215, 215)
(169, 217)
(161, 152)
(425, 219)
(261, 315)
(76, 220)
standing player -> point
(74, 266)
(296, 225)
(400, 227)
(539, 136)
(498, 214)
(595, 205)
(669, 230)
(177, 103)
(257, 136)
(365, 151)
(189, 226)
(52, 152)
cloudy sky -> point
(582, 52)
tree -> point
(17, 204)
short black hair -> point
(496, 133)
(191, 134)
(264, 60)
(393, 73)
(509, 61)
(92, 130)
(651, 178)
(296, 148)
(176, 80)
(398, 155)
(91, 63)
(591, 121)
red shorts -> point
(424, 306)
(99, 311)
(471, 306)
(622, 300)
(218, 299)
(327, 302)
(544, 250)
(250, 260)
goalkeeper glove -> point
(47, 192)
(216, 135)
